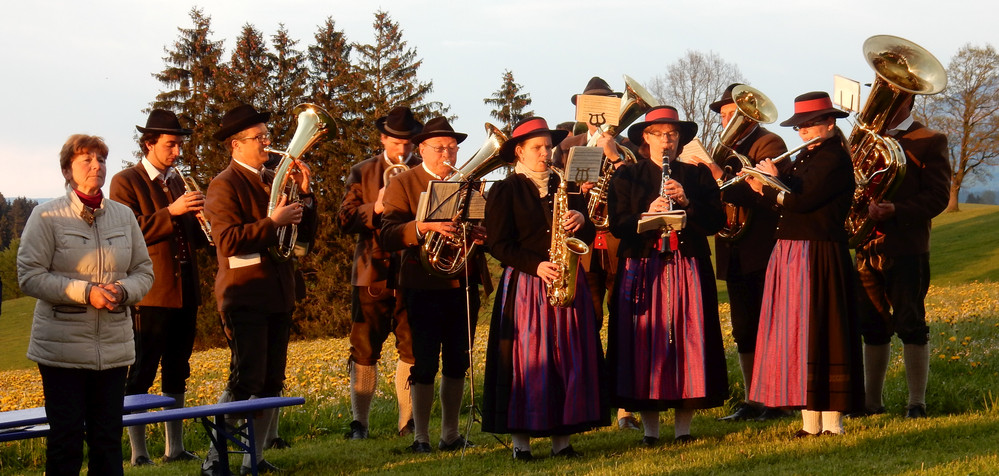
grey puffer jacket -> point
(60, 254)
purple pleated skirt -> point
(780, 373)
(667, 349)
(555, 358)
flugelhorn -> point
(191, 186)
(445, 256)
(770, 183)
(904, 69)
(634, 104)
(314, 124)
(752, 108)
(395, 168)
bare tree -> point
(967, 113)
(691, 84)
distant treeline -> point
(13, 215)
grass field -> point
(960, 437)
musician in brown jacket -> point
(255, 292)
(442, 312)
(376, 308)
(165, 320)
(742, 262)
(894, 265)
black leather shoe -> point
(263, 467)
(650, 441)
(521, 455)
(216, 469)
(683, 439)
(277, 444)
(745, 412)
(458, 443)
(567, 452)
(408, 429)
(804, 434)
(916, 411)
(773, 414)
(183, 456)
(357, 431)
(143, 461)
(418, 447)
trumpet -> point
(191, 186)
(392, 170)
(764, 177)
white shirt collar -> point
(902, 126)
(438, 177)
(154, 173)
(247, 167)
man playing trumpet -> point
(165, 321)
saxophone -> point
(565, 250)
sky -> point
(86, 67)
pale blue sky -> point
(72, 66)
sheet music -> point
(442, 201)
(673, 220)
(583, 164)
(694, 148)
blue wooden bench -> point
(213, 418)
(33, 423)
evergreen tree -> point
(509, 103)
(251, 66)
(199, 91)
(389, 71)
(287, 83)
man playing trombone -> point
(165, 321)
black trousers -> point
(164, 338)
(439, 321)
(83, 404)
(258, 345)
(745, 294)
(377, 311)
(892, 295)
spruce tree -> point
(287, 84)
(251, 65)
(509, 103)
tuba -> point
(565, 250)
(445, 256)
(752, 109)
(314, 124)
(903, 69)
(635, 103)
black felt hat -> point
(163, 122)
(596, 87)
(399, 123)
(663, 115)
(811, 106)
(725, 99)
(526, 129)
(438, 127)
(239, 118)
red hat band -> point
(662, 113)
(530, 126)
(812, 105)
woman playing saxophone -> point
(530, 340)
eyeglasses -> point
(804, 125)
(672, 135)
(440, 149)
(265, 137)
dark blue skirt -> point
(665, 345)
(543, 364)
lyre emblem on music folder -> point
(598, 119)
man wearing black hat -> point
(255, 292)
(601, 263)
(376, 308)
(442, 312)
(742, 262)
(165, 320)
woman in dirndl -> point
(542, 362)
(808, 351)
(664, 347)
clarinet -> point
(667, 234)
